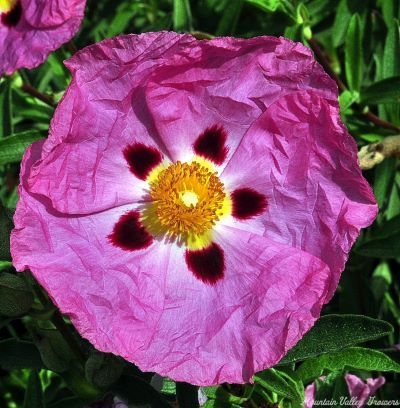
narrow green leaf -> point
(182, 16)
(353, 53)
(391, 65)
(6, 105)
(12, 147)
(222, 396)
(355, 358)
(383, 182)
(17, 354)
(385, 241)
(266, 5)
(390, 10)
(334, 332)
(381, 248)
(391, 52)
(16, 297)
(342, 19)
(281, 384)
(34, 392)
(387, 90)
(230, 17)
(6, 225)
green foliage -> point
(46, 364)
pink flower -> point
(195, 202)
(31, 29)
(359, 391)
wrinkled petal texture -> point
(42, 28)
(284, 139)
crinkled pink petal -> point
(361, 391)
(309, 395)
(145, 304)
(43, 27)
(230, 82)
(178, 326)
(163, 89)
(299, 155)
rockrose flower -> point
(31, 29)
(195, 202)
(359, 391)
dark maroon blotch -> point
(11, 19)
(142, 159)
(129, 233)
(211, 144)
(247, 203)
(206, 264)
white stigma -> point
(189, 198)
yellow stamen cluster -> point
(187, 199)
(7, 5)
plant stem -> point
(39, 95)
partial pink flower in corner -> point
(362, 391)
(195, 203)
(31, 29)
(359, 391)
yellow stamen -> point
(7, 5)
(187, 199)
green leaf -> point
(17, 354)
(355, 358)
(13, 147)
(281, 384)
(54, 350)
(390, 10)
(34, 392)
(265, 5)
(223, 397)
(103, 369)
(182, 16)
(6, 225)
(391, 64)
(353, 53)
(6, 126)
(16, 297)
(386, 90)
(391, 53)
(381, 248)
(383, 182)
(342, 19)
(385, 241)
(346, 99)
(228, 22)
(335, 332)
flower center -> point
(187, 199)
(7, 5)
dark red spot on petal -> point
(129, 233)
(142, 159)
(12, 18)
(206, 264)
(211, 144)
(247, 203)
